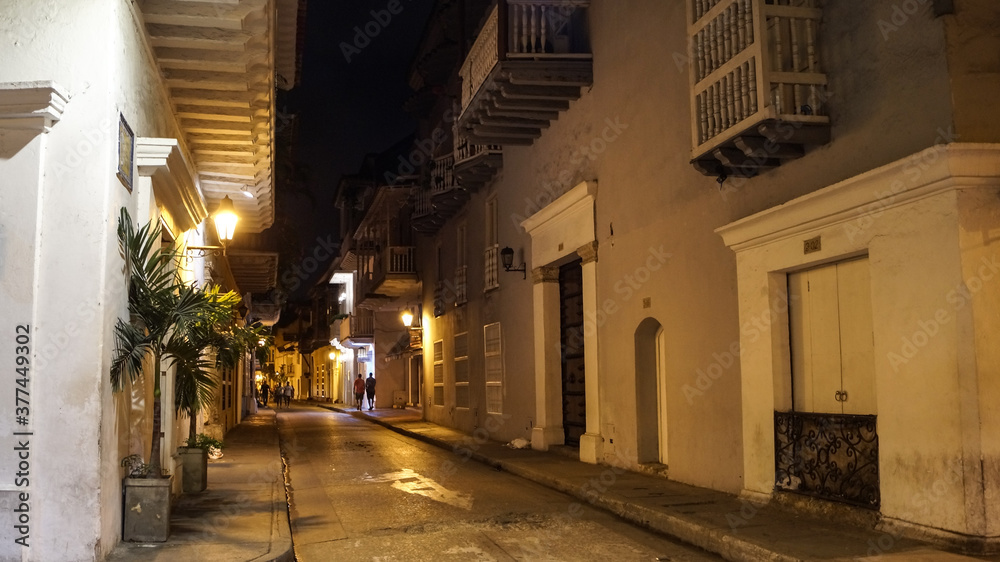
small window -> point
(462, 370)
(438, 373)
(494, 368)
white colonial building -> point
(161, 108)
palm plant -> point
(216, 331)
(163, 310)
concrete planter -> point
(194, 463)
(146, 517)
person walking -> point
(359, 391)
(264, 390)
(289, 390)
(370, 389)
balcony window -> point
(758, 88)
(527, 63)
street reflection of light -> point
(411, 482)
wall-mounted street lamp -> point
(225, 218)
(407, 318)
(507, 259)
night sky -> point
(347, 109)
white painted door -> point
(661, 383)
(830, 332)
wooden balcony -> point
(758, 93)
(528, 62)
(393, 274)
(360, 326)
(440, 199)
(476, 164)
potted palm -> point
(162, 309)
(194, 383)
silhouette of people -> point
(264, 390)
(370, 389)
(359, 391)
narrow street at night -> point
(358, 491)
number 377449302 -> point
(22, 354)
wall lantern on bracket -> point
(507, 260)
(225, 218)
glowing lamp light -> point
(333, 356)
(225, 219)
(407, 318)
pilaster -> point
(548, 367)
(591, 442)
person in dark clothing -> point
(370, 389)
(264, 390)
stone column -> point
(548, 428)
(591, 442)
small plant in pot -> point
(194, 461)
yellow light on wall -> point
(333, 356)
(225, 219)
(407, 317)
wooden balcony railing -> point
(397, 259)
(491, 279)
(465, 150)
(461, 284)
(755, 63)
(422, 202)
(529, 60)
(443, 174)
(483, 57)
(360, 325)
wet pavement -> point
(426, 492)
(360, 492)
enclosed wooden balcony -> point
(443, 195)
(528, 62)
(358, 327)
(759, 93)
(387, 274)
(476, 164)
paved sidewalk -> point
(716, 521)
(242, 516)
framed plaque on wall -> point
(126, 153)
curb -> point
(281, 525)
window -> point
(492, 253)
(461, 283)
(438, 399)
(830, 328)
(494, 368)
(461, 361)
(758, 89)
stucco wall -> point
(890, 97)
(92, 49)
